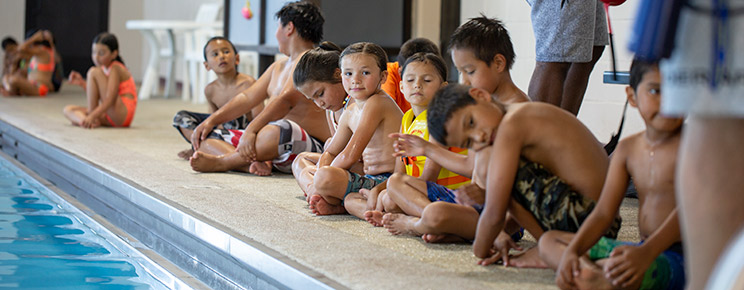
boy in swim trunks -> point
(221, 57)
(546, 169)
(650, 158)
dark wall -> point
(73, 23)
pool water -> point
(50, 244)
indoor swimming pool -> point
(45, 242)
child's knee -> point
(93, 72)
(435, 215)
(397, 181)
(329, 179)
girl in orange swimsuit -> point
(110, 89)
(39, 47)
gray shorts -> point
(689, 75)
(568, 33)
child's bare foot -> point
(76, 79)
(591, 276)
(320, 206)
(400, 224)
(442, 238)
(528, 259)
(203, 162)
(260, 168)
(374, 217)
(186, 154)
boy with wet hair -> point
(221, 57)
(586, 260)
(546, 169)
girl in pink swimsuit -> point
(37, 81)
(110, 89)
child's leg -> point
(437, 218)
(355, 204)
(330, 184)
(409, 193)
(97, 83)
(21, 86)
(530, 258)
(217, 156)
(76, 114)
(551, 246)
(303, 169)
(267, 149)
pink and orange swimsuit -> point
(128, 95)
(34, 65)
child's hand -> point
(627, 265)
(470, 195)
(568, 268)
(500, 251)
(247, 146)
(76, 78)
(408, 145)
(201, 133)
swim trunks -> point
(293, 140)
(567, 33)
(551, 201)
(190, 120)
(357, 182)
(437, 192)
(666, 272)
(705, 74)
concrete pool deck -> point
(267, 212)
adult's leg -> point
(709, 191)
(546, 84)
(577, 79)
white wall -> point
(12, 20)
(603, 103)
(131, 42)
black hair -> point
(639, 68)
(416, 45)
(44, 42)
(8, 41)
(217, 38)
(306, 17)
(485, 37)
(370, 48)
(110, 41)
(446, 101)
(318, 65)
(429, 58)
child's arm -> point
(274, 111)
(209, 94)
(411, 145)
(628, 264)
(112, 89)
(339, 140)
(372, 117)
(601, 217)
(431, 170)
(237, 106)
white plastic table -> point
(170, 27)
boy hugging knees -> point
(362, 134)
(586, 260)
(545, 168)
(221, 57)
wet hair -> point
(9, 41)
(485, 37)
(109, 40)
(446, 101)
(369, 48)
(306, 17)
(416, 45)
(214, 39)
(318, 65)
(639, 68)
(427, 58)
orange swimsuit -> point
(126, 87)
(34, 65)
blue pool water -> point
(46, 244)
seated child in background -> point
(318, 77)
(362, 131)
(650, 158)
(10, 48)
(546, 169)
(392, 84)
(110, 89)
(423, 74)
(37, 81)
(221, 57)
(290, 123)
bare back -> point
(558, 141)
(377, 155)
(652, 167)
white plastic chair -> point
(195, 76)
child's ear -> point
(400, 86)
(289, 28)
(206, 66)
(500, 62)
(444, 84)
(479, 94)
(383, 79)
(631, 96)
(237, 58)
(337, 74)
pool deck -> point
(266, 214)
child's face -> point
(475, 72)
(420, 82)
(328, 96)
(361, 76)
(647, 99)
(474, 126)
(102, 55)
(220, 56)
(11, 48)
